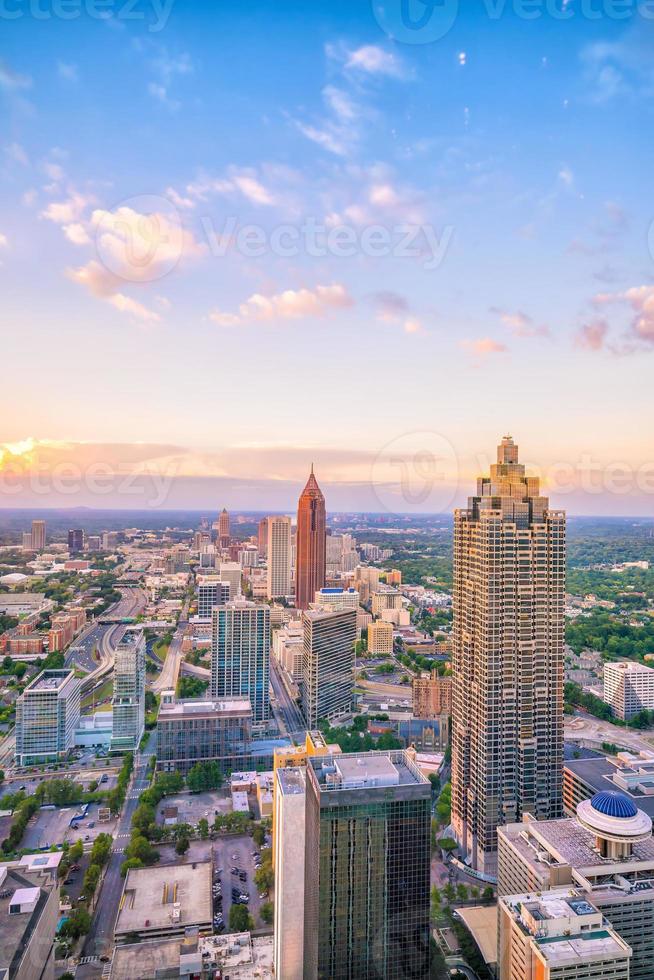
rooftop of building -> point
(366, 770)
(237, 955)
(131, 636)
(334, 591)
(316, 615)
(629, 667)
(50, 680)
(16, 929)
(600, 773)
(291, 781)
(167, 896)
(200, 708)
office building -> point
(128, 702)
(289, 848)
(47, 714)
(629, 773)
(432, 696)
(327, 664)
(558, 935)
(230, 571)
(333, 600)
(507, 664)
(279, 552)
(380, 638)
(75, 540)
(605, 854)
(310, 562)
(164, 901)
(211, 592)
(29, 912)
(26, 541)
(288, 648)
(240, 655)
(202, 730)
(224, 534)
(628, 688)
(262, 537)
(38, 535)
(367, 865)
(385, 598)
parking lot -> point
(48, 827)
(228, 852)
(192, 807)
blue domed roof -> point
(613, 804)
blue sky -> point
(512, 157)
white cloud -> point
(483, 346)
(68, 211)
(375, 61)
(4, 241)
(125, 304)
(179, 200)
(67, 71)
(326, 137)
(340, 103)
(11, 81)
(520, 324)
(237, 182)
(641, 301)
(76, 233)
(53, 170)
(592, 336)
(160, 93)
(291, 304)
(15, 152)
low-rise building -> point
(165, 900)
(380, 638)
(432, 696)
(29, 911)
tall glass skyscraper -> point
(507, 664)
(367, 863)
(128, 703)
(240, 655)
(310, 560)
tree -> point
(204, 776)
(182, 845)
(461, 892)
(447, 844)
(129, 864)
(267, 912)
(76, 852)
(449, 892)
(259, 835)
(264, 877)
(240, 919)
(140, 848)
(488, 895)
(203, 827)
(77, 924)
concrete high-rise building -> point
(128, 702)
(278, 550)
(195, 731)
(47, 715)
(224, 534)
(240, 656)
(26, 541)
(604, 854)
(380, 638)
(38, 535)
(558, 935)
(628, 688)
(75, 540)
(333, 600)
(289, 858)
(211, 592)
(327, 664)
(231, 571)
(385, 598)
(367, 864)
(310, 562)
(262, 537)
(507, 664)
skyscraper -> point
(262, 537)
(327, 663)
(240, 655)
(367, 858)
(507, 698)
(38, 535)
(310, 543)
(224, 536)
(279, 557)
(75, 540)
(47, 714)
(128, 702)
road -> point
(100, 938)
(288, 713)
(583, 727)
(167, 679)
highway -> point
(289, 715)
(167, 679)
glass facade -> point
(240, 656)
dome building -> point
(616, 823)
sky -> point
(238, 238)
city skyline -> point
(531, 285)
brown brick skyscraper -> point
(310, 543)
